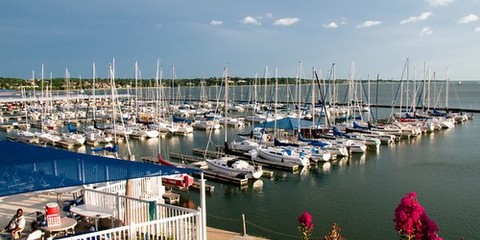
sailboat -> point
(230, 165)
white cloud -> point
(216, 22)
(469, 18)
(286, 21)
(436, 3)
(368, 24)
(422, 17)
(251, 20)
(330, 25)
(426, 31)
(477, 29)
(269, 15)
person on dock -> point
(16, 224)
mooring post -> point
(244, 225)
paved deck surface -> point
(33, 202)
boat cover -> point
(29, 168)
(288, 123)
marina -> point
(192, 153)
(239, 120)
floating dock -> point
(224, 178)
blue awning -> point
(26, 168)
(288, 123)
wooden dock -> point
(208, 188)
(186, 158)
(61, 143)
(212, 154)
(6, 127)
(24, 139)
(224, 178)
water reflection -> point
(362, 159)
(151, 142)
(258, 185)
(342, 162)
(326, 167)
(304, 171)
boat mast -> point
(225, 102)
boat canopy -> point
(29, 168)
(288, 123)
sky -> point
(199, 38)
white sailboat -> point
(232, 166)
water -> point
(360, 193)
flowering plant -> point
(412, 222)
(306, 225)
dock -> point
(208, 188)
(61, 143)
(6, 127)
(24, 139)
(186, 158)
(224, 178)
(212, 154)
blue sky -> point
(200, 37)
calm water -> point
(359, 193)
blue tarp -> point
(288, 123)
(26, 168)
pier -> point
(224, 178)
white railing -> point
(126, 209)
(144, 188)
(180, 227)
(136, 208)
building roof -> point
(27, 168)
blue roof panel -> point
(26, 168)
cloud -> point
(251, 20)
(269, 15)
(216, 22)
(477, 29)
(422, 17)
(469, 18)
(286, 21)
(436, 3)
(330, 25)
(426, 31)
(368, 24)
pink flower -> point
(306, 220)
(411, 220)
(306, 225)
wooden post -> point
(244, 225)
